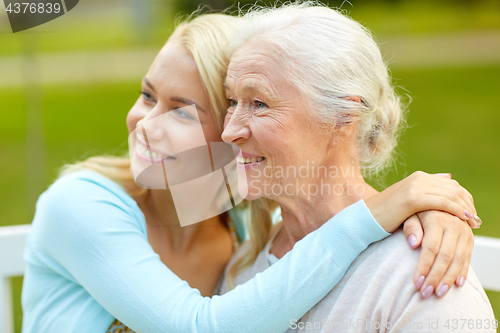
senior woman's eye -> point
(232, 103)
(260, 105)
(147, 96)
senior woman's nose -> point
(235, 130)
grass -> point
(453, 128)
(425, 17)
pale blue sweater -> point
(89, 261)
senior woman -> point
(312, 109)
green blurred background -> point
(66, 86)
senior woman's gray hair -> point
(329, 57)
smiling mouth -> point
(248, 160)
(149, 153)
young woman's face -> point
(171, 122)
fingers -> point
(446, 253)
(462, 277)
(473, 220)
(460, 192)
(467, 254)
(446, 175)
(464, 196)
(424, 190)
(417, 193)
(430, 248)
(443, 203)
(436, 280)
(413, 231)
(457, 272)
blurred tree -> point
(141, 10)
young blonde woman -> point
(101, 248)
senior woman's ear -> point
(354, 99)
(348, 119)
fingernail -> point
(412, 241)
(444, 174)
(468, 214)
(461, 281)
(420, 282)
(442, 290)
(427, 292)
(478, 220)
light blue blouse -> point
(89, 261)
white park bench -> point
(485, 262)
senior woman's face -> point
(272, 125)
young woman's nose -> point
(151, 128)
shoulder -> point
(378, 287)
(85, 193)
(390, 259)
(83, 203)
(391, 264)
(85, 184)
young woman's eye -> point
(147, 97)
(260, 105)
(232, 103)
(180, 113)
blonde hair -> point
(206, 37)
